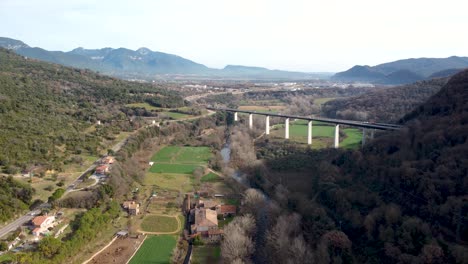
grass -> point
(173, 168)
(210, 177)
(6, 258)
(353, 138)
(155, 249)
(194, 155)
(260, 108)
(185, 155)
(159, 223)
(206, 254)
(175, 115)
(321, 134)
(222, 223)
(176, 182)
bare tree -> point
(238, 245)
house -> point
(108, 160)
(42, 223)
(226, 210)
(132, 207)
(206, 225)
(207, 204)
(103, 169)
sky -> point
(299, 35)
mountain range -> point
(404, 71)
(146, 64)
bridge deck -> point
(380, 126)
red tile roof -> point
(38, 220)
(227, 209)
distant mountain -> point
(404, 71)
(144, 63)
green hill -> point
(46, 111)
(401, 199)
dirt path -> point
(118, 252)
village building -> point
(42, 223)
(108, 160)
(206, 203)
(226, 210)
(132, 207)
(103, 169)
(206, 225)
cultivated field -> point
(155, 249)
(118, 252)
(160, 223)
(182, 155)
(262, 108)
(173, 168)
(170, 181)
(210, 177)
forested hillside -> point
(402, 199)
(383, 105)
(46, 110)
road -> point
(17, 223)
(27, 217)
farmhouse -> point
(206, 225)
(206, 203)
(42, 223)
(226, 210)
(103, 169)
(108, 160)
(132, 207)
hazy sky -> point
(305, 35)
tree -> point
(49, 246)
(238, 243)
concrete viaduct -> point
(336, 122)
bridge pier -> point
(250, 121)
(309, 133)
(372, 133)
(363, 141)
(267, 125)
(337, 136)
(235, 117)
(286, 128)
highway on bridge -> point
(362, 124)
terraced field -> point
(147, 253)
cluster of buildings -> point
(42, 224)
(104, 167)
(132, 207)
(203, 216)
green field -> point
(175, 115)
(173, 168)
(322, 134)
(210, 177)
(206, 254)
(159, 223)
(155, 249)
(184, 155)
(170, 181)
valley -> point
(124, 155)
